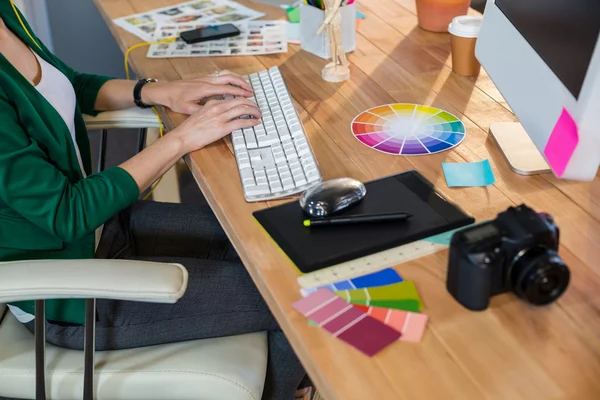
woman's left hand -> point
(184, 96)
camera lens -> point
(540, 276)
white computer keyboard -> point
(274, 158)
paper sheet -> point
(204, 12)
(468, 174)
(256, 38)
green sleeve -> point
(33, 187)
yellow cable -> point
(23, 25)
(160, 125)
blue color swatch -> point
(468, 174)
(381, 278)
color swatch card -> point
(408, 129)
(410, 325)
(346, 322)
(381, 278)
(468, 174)
(255, 38)
(400, 296)
(204, 12)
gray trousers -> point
(221, 299)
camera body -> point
(515, 252)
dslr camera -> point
(515, 252)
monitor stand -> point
(521, 154)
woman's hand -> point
(217, 118)
(184, 96)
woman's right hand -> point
(216, 119)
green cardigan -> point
(47, 209)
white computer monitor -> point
(544, 57)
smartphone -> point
(209, 33)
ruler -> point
(377, 261)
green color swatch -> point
(398, 295)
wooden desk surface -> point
(511, 351)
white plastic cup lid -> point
(465, 26)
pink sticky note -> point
(562, 143)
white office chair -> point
(228, 368)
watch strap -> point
(137, 92)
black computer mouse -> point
(332, 196)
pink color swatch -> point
(346, 322)
(411, 325)
(562, 143)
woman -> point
(51, 205)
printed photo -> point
(256, 32)
(222, 10)
(269, 41)
(200, 5)
(164, 34)
(232, 17)
(150, 28)
(186, 18)
(171, 12)
(139, 20)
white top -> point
(58, 91)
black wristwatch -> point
(137, 92)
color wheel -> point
(408, 129)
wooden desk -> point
(511, 351)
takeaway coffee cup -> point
(464, 31)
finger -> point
(226, 105)
(231, 80)
(240, 110)
(227, 72)
(241, 124)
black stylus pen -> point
(357, 219)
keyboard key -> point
(288, 183)
(250, 139)
(244, 162)
(258, 190)
(312, 176)
(255, 156)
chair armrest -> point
(131, 118)
(94, 278)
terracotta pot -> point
(435, 15)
